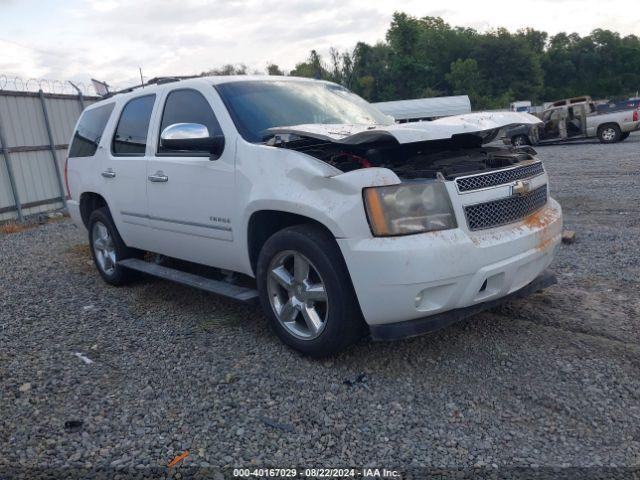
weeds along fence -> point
(35, 127)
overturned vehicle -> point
(348, 222)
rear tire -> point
(306, 291)
(107, 249)
(609, 133)
(624, 136)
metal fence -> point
(20, 84)
(35, 128)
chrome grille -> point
(477, 182)
(506, 210)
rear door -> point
(84, 163)
(124, 172)
(190, 194)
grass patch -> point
(34, 221)
(80, 250)
(14, 227)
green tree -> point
(427, 56)
(229, 69)
(371, 74)
(408, 64)
(508, 63)
(536, 39)
(602, 64)
(440, 45)
(313, 67)
(465, 78)
(273, 69)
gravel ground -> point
(548, 381)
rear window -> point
(89, 132)
(131, 133)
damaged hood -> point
(483, 124)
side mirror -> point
(191, 137)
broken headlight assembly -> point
(409, 208)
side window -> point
(89, 132)
(187, 106)
(130, 137)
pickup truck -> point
(298, 194)
(575, 119)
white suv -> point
(346, 221)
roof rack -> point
(153, 81)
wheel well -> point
(610, 124)
(264, 223)
(89, 202)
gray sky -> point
(110, 39)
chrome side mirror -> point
(191, 137)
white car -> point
(301, 194)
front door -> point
(190, 195)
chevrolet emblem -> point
(521, 188)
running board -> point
(241, 294)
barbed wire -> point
(20, 84)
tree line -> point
(427, 57)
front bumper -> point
(398, 279)
(420, 326)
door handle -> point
(158, 177)
(108, 173)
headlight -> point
(408, 208)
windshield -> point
(256, 106)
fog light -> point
(434, 298)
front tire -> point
(306, 292)
(107, 249)
(609, 133)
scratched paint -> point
(540, 221)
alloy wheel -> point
(297, 294)
(609, 134)
(104, 248)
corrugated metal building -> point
(35, 128)
(425, 108)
